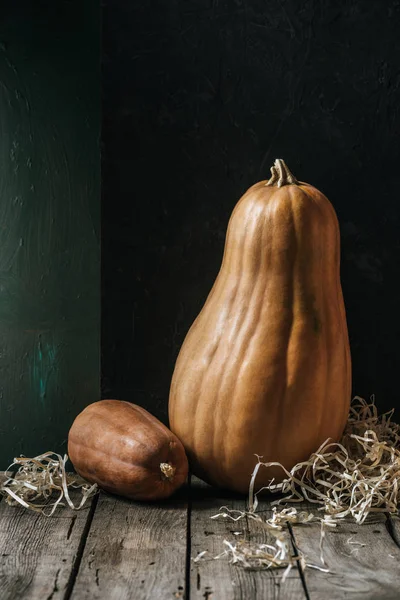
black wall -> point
(199, 99)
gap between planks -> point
(135, 551)
(362, 559)
(38, 554)
(219, 579)
(393, 527)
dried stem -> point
(281, 175)
(167, 470)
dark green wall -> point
(49, 221)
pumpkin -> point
(265, 369)
(126, 451)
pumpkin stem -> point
(281, 175)
(167, 470)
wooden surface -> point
(218, 578)
(38, 555)
(363, 560)
(134, 551)
(115, 549)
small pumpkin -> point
(265, 368)
(126, 451)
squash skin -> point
(120, 446)
(265, 368)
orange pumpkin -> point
(126, 451)
(265, 368)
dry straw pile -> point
(351, 479)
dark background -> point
(50, 118)
(199, 98)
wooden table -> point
(117, 549)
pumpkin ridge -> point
(343, 327)
(322, 258)
(244, 343)
(282, 413)
(337, 301)
(241, 248)
(325, 306)
(142, 411)
(291, 338)
(272, 433)
(328, 211)
(114, 457)
(302, 276)
(255, 321)
(161, 428)
(251, 324)
(217, 286)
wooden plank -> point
(135, 550)
(394, 528)
(38, 554)
(363, 560)
(218, 579)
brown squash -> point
(126, 451)
(265, 368)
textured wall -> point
(199, 98)
(49, 221)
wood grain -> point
(135, 551)
(218, 579)
(38, 555)
(125, 550)
(363, 560)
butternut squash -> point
(265, 368)
(126, 451)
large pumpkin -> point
(265, 368)
(126, 451)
